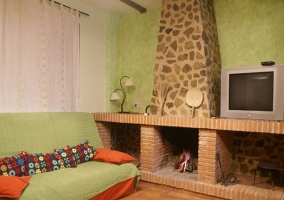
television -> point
(253, 92)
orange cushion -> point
(112, 156)
(12, 186)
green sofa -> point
(44, 132)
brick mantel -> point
(214, 137)
(248, 125)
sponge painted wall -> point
(250, 31)
(131, 51)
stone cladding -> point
(188, 56)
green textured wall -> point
(250, 31)
(111, 61)
(131, 50)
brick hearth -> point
(215, 135)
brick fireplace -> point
(214, 136)
(155, 152)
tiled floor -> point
(264, 183)
(150, 191)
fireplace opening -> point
(177, 141)
(180, 147)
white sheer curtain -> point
(39, 57)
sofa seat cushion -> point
(84, 182)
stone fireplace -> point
(188, 56)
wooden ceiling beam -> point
(135, 5)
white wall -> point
(92, 56)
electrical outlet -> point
(137, 105)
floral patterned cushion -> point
(39, 163)
(12, 166)
(83, 152)
(65, 157)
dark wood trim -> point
(80, 12)
(135, 5)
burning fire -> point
(185, 162)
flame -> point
(187, 156)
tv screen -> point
(251, 91)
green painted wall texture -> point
(137, 38)
(249, 31)
(111, 61)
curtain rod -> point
(80, 12)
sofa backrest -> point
(43, 132)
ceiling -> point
(119, 7)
